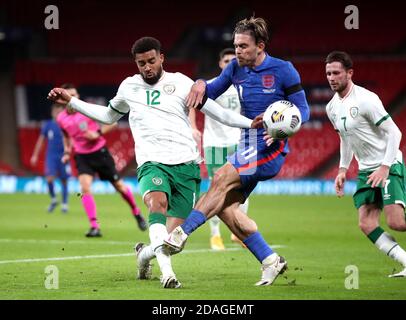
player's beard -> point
(242, 62)
(154, 79)
(341, 87)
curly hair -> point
(145, 44)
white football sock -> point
(147, 253)
(164, 261)
(215, 226)
(270, 259)
(390, 247)
(157, 233)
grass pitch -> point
(317, 235)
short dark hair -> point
(340, 56)
(256, 27)
(226, 51)
(145, 44)
(68, 86)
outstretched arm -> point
(225, 116)
(103, 114)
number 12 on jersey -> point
(153, 97)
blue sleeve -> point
(44, 129)
(219, 85)
(295, 93)
(299, 99)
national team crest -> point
(268, 81)
(169, 88)
(157, 181)
(354, 112)
(83, 126)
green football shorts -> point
(216, 157)
(394, 190)
(180, 182)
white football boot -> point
(400, 274)
(170, 282)
(144, 266)
(271, 271)
(176, 239)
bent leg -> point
(224, 180)
(246, 229)
(369, 224)
(395, 217)
(157, 203)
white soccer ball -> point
(282, 119)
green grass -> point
(319, 234)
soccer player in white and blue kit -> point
(260, 80)
(54, 167)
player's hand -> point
(59, 95)
(65, 158)
(33, 160)
(268, 139)
(197, 135)
(378, 177)
(91, 135)
(196, 94)
(339, 184)
(258, 122)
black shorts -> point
(100, 162)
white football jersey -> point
(158, 118)
(357, 117)
(217, 134)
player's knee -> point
(157, 204)
(397, 225)
(395, 217)
(157, 207)
(367, 226)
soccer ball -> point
(282, 119)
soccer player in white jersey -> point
(166, 152)
(219, 141)
(368, 132)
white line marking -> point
(113, 255)
(36, 241)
